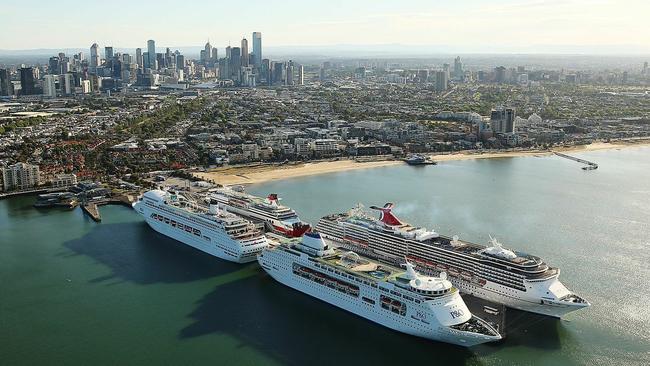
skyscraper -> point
(244, 52)
(257, 49)
(5, 83)
(235, 63)
(27, 80)
(500, 74)
(94, 56)
(151, 51)
(49, 86)
(458, 68)
(180, 62)
(138, 57)
(207, 56)
(108, 52)
(645, 68)
(442, 79)
(301, 75)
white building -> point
(303, 147)
(64, 180)
(325, 146)
(85, 86)
(19, 176)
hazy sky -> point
(467, 25)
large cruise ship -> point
(221, 234)
(278, 218)
(428, 307)
(494, 273)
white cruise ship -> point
(278, 218)
(428, 307)
(221, 234)
(515, 279)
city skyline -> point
(536, 26)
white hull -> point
(213, 242)
(280, 268)
(516, 299)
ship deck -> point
(523, 260)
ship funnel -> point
(386, 216)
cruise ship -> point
(278, 218)
(494, 273)
(405, 301)
(221, 234)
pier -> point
(589, 165)
(92, 207)
(92, 211)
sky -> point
(523, 26)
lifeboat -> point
(466, 276)
(385, 300)
(441, 267)
(453, 272)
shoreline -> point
(261, 173)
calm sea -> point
(76, 292)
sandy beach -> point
(259, 173)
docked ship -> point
(494, 273)
(277, 218)
(221, 234)
(405, 301)
(417, 159)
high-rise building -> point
(442, 80)
(27, 81)
(301, 75)
(458, 68)
(235, 63)
(257, 49)
(85, 86)
(54, 65)
(94, 56)
(500, 74)
(138, 57)
(19, 176)
(289, 73)
(49, 86)
(180, 62)
(150, 63)
(207, 56)
(502, 120)
(244, 52)
(108, 52)
(66, 83)
(645, 68)
(5, 83)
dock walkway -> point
(589, 165)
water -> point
(76, 292)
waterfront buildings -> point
(19, 176)
(502, 120)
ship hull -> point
(281, 270)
